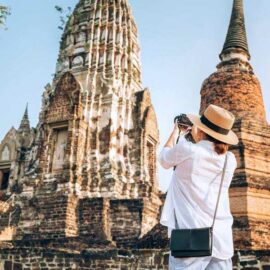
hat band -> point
(213, 126)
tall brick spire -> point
(234, 85)
(236, 38)
(25, 124)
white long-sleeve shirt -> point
(194, 189)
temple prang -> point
(96, 139)
(235, 87)
(80, 190)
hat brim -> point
(230, 138)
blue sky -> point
(180, 42)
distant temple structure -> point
(235, 87)
(80, 190)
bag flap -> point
(190, 239)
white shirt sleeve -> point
(234, 166)
(171, 156)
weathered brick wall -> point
(150, 214)
(98, 259)
(93, 218)
(236, 90)
(250, 189)
(125, 220)
(252, 153)
(251, 260)
(27, 258)
(99, 219)
(132, 219)
(46, 217)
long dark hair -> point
(220, 147)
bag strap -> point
(222, 178)
(176, 223)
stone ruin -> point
(80, 190)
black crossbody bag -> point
(194, 242)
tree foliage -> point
(4, 12)
(64, 15)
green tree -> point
(4, 12)
(64, 16)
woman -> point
(192, 194)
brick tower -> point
(82, 185)
(235, 87)
(89, 167)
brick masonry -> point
(82, 190)
(88, 170)
(236, 90)
(239, 91)
(105, 257)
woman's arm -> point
(173, 153)
(173, 137)
(168, 154)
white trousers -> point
(199, 263)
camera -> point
(184, 123)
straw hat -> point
(216, 122)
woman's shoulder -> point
(232, 159)
(191, 147)
(186, 145)
(231, 155)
